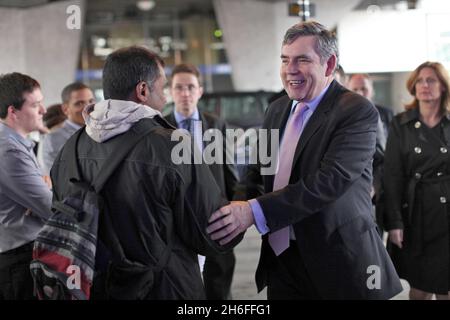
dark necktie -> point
(192, 126)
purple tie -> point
(279, 240)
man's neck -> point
(186, 114)
(74, 124)
(14, 127)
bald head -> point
(361, 84)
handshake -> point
(230, 221)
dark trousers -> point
(218, 276)
(16, 282)
(288, 278)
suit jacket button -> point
(419, 150)
(443, 200)
(417, 176)
(439, 174)
(443, 149)
(417, 125)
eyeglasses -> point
(190, 88)
(428, 81)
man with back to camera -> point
(153, 207)
(25, 198)
(319, 239)
(75, 97)
(186, 91)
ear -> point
(331, 65)
(12, 112)
(200, 90)
(142, 91)
(65, 108)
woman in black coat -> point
(417, 185)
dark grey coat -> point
(328, 198)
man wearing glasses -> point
(186, 92)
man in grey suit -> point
(186, 91)
(319, 240)
(75, 97)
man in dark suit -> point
(186, 91)
(319, 240)
(362, 83)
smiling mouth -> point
(295, 83)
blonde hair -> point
(443, 77)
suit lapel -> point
(205, 123)
(205, 127)
(317, 119)
(276, 121)
(170, 118)
(281, 116)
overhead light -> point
(145, 5)
(401, 6)
(372, 9)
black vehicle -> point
(240, 110)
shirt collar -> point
(73, 124)
(27, 143)
(179, 117)
(312, 104)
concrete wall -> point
(400, 95)
(37, 42)
(253, 32)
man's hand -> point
(43, 129)
(229, 221)
(396, 237)
(48, 181)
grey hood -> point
(109, 118)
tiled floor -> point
(247, 255)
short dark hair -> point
(126, 67)
(186, 68)
(67, 91)
(54, 116)
(13, 86)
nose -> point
(42, 109)
(185, 92)
(291, 67)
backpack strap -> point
(129, 139)
(133, 136)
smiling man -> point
(75, 97)
(25, 199)
(319, 239)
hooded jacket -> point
(156, 212)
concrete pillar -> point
(37, 42)
(400, 95)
